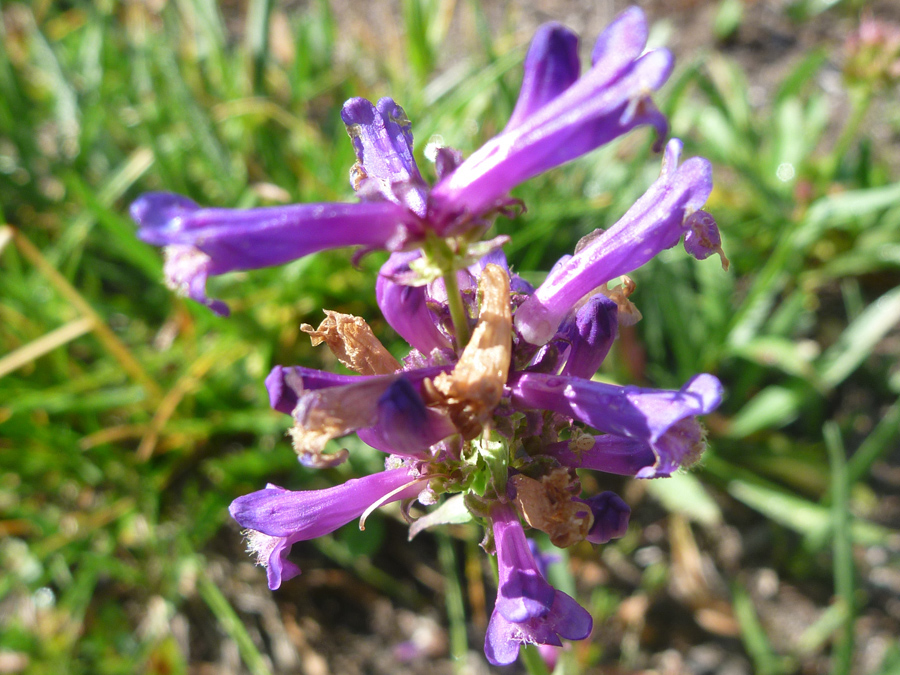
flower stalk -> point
(457, 311)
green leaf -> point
(799, 514)
(859, 339)
(684, 493)
(452, 511)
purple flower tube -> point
(205, 242)
(276, 519)
(663, 419)
(655, 223)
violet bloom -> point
(386, 410)
(656, 222)
(528, 609)
(204, 242)
(558, 116)
(275, 519)
(663, 420)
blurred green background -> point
(130, 418)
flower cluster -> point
(494, 408)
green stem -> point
(457, 310)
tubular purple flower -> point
(655, 223)
(609, 100)
(203, 242)
(523, 593)
(406, 307)
(528, 609)
(663, 419)
(386, 410)
(275, 519)
(383, 141)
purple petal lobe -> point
(551, 66)
(611, 516)
(566, 618)
(382, 139)
(622, 42)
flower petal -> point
(382, 139)
(551, 67)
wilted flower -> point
(495, 402)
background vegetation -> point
(129, 418)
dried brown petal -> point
(324, 414)
(547, 505)
(474, 387)
(628, 314)
(353, 343)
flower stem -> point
(457, 310)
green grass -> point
(125, 434)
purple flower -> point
(387, 410)
(203, 242)
(661, 419)
(528, 609)
(276, 519)
(656, 222)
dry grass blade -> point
(115, 347)
(44, 344)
